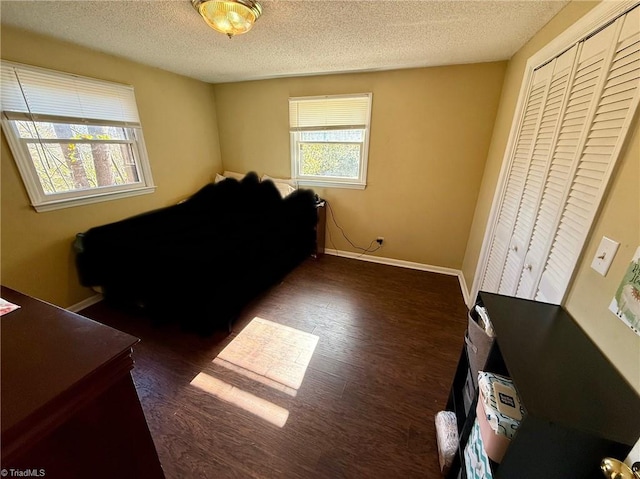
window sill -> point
(331, 184)
(87, 200)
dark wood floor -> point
(389, 340)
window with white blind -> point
(330, 140)
(576, 111)
(75, 140)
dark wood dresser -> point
(68, 403)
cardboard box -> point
(478, 344)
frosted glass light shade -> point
(231, 17)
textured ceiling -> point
(292, 37)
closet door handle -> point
(528, 266)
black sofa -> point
(200, 261)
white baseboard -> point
(346, 254)
(85, 303)
(406, 264)
(465, 292)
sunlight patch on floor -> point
(256, 377)
(275, 351)
(262, 408)
(266, 352)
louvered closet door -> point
(546, 136)
(609, 120)
(586, 85)
(516, 179)
(575, 118)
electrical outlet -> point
(380, 240)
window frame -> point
(42, 201)
(332, 181)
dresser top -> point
(47, 351)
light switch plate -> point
(604, 255)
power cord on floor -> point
(364, 250)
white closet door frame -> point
(599, 16)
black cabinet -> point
(321, 226)
(579, 408)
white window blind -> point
(45, 95)
(335, 112)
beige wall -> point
(589, 294)
(180, 130)
(430, 132)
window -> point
(330, 140)
(75, 140)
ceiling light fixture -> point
(231, 17)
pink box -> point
(495, 445)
